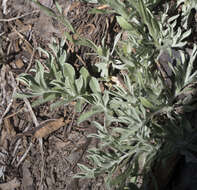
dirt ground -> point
(26, 161)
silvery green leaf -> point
(154, 23)
(62, 102)
(88, 114)
(79, 104)
(123, 23)
(30, 82)
(125, 133)
(99, 126)
(105, 98)
(150, 21)
(45, 98)
(179, 44)
(59, 8)
(62, 58)
(53, 67)
(86, 170)
(87, 43)
(143, 110)
(189, 77)
(54, 46)
(58, 76)
(99, 51)
(94, 85)
(192, 78)
(79, 84)
(26, 79)
(25, 95)
(57, 83)
(172, 26)
(194, 54)
(128, 83)
(69, 72)
(36, 88)
(186, 34)
(143, 12)
(103, 68)
(86, 76)
(69, 87)
(178, 34)
(146, 103)
(117, 38)
(120, 7)
(173, 18)
(39, 78)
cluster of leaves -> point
(187, 7)
(139, 99)
(56, 80)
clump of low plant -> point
(143, 120)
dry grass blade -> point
(18, 17)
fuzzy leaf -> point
(94, 85)
(69, 72)
(124, 24)
(86, 76)
(147, 103)
(88, 114)
(79, 84)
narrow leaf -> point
(88, 114)
(146, 103)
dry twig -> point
(15, 18)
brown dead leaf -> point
(9, 127)
(10, 185)
(103, 7)
(25, 45)
(44, 129)
(49, 127)
(3, 141)
(19, 63)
